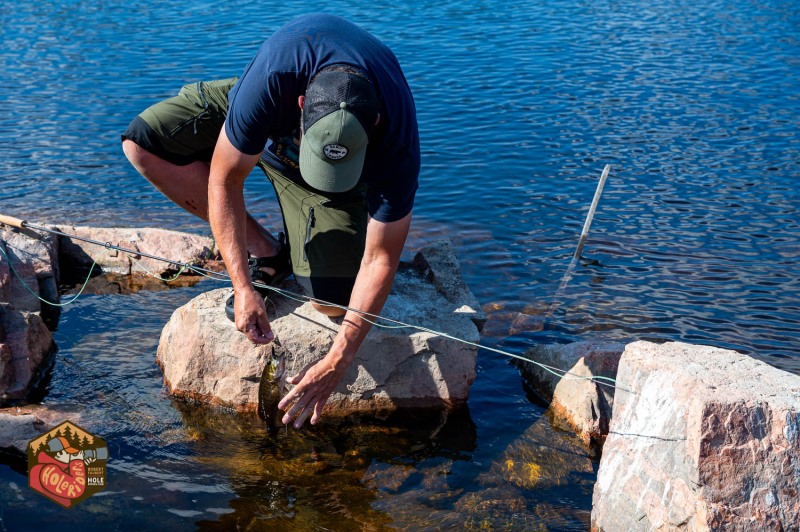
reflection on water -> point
(696, 237)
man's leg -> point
(171, 143)
(187, 187)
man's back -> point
(264, 102)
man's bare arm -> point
(384, 246)
(227, 215)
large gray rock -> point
(585, 405)
(701, 439)
(205, 358)
(438, 264)
(173, 245)
(26, 346)
(34, 262)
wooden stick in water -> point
(593, 208)
(574, 261)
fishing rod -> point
(24, 224)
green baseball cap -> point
(339, 113)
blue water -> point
(695, 106)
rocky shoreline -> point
(692, 437)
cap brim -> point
(325, 176)
(341, 136)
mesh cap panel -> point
(330, 88)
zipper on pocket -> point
(205, 113)
(312, 221)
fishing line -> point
(51, 303)
(402, 325)
(558, 372)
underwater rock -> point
(701, 438)
(34, 258)
(26, 346)
(585, 405)
(540, 458)
(205, 358)
(19, 425)
(77, 256)
(541, 464)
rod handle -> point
(11, 221)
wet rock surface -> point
(584, 405)
(205, 358)
(701, 438)
(26, 349)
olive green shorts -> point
(184, 129)
(326, 233)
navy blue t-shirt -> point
(264, 107)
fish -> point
(272, 388)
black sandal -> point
(282, 265)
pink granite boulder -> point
(701, 438)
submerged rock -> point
(538, 467)
(20, 425)
(26, 348)
(701, 438)
(205, 358)
(539, 458)
(584, 405)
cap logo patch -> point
(335, 152)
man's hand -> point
(251, 317)
(313, 387)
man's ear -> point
(301, 100)
(377, 118)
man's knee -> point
(138, 156)
(332, 312)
